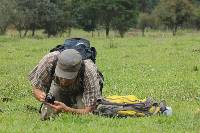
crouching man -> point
(75, 83)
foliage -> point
(55, 16)
(116, 14)
(126, 16)
(195, 18)
(173, 13)
(145, 20)
(26, 15)
(147, 6)
(86, 14)
(6, 11)
(58, 16)
(52, 16)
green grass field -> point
(157, 65)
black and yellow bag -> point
(124, 106)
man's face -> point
(64, 82)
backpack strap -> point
(81, 73)
(82, 76)
(94, 54)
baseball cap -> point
(68, 64)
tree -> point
(28, 9)
(54, 16)
(94, 12)
(195, 19)
(25, 15)
(147, 6)
(116, 14)
(126, 16)
(86, 15)
(196, 2)
(107, 11)
(173, 13)
(6, 11)
(145, 20)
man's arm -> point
(41, 76)
(59, 106)
(86, 110)
(91, 84)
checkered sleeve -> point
(91, 84)
(41, 75)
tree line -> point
(58, 16)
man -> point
(72, 81)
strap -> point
(81, 73)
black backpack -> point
(87, 52)
(79, 44)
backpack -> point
(79, 44)
(87, 52)
(130, 106)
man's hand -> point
(59, 106)
(39, 94)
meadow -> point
(158, 65)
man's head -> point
(68, 65)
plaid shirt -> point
(41, 77)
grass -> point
(157, 65)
